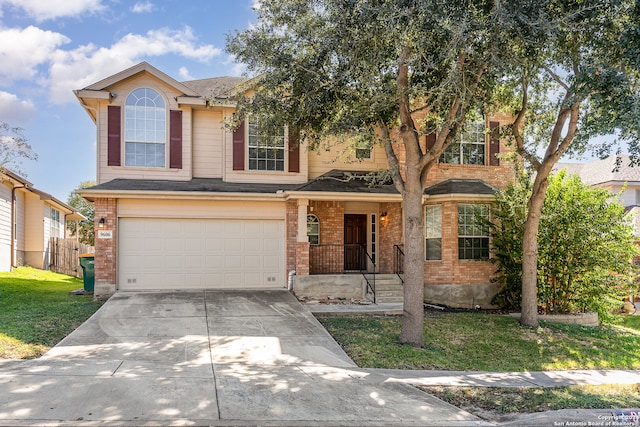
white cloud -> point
(14, 110)
(235, 68)
(41, 10)
(88, 64)
(184, 74)
(143, 7)
(23, 49)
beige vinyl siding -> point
(341, 157)
(5, 228)
(200, 209)
(266, 177)
(34, 231)
(20, 227)
(208, 136)
(121, 91)
(46, 242)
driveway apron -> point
(208, 357)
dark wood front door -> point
(355, 240)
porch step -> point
(388, 288)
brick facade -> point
(292, 235)
(451, 270)
(390, 235)
(105, 249)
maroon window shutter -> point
(238, 148)
(294, 151)
(175, 139)
(494, 144)
(113, 135)
(431, 141)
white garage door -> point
(200, 253)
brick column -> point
(302, 258)
(106, 255)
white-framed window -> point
(469, 147)
(433, 232)
(313, 229)
(55, 225)
(473, 231)
(145, 129)
(266, 152)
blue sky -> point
(48, 48)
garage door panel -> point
(271, 262)
(233, 262)
(205, 253)
(214, 262)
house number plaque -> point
(105, 234)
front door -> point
(355, 240)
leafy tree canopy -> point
(14, 148)
(586, 244)
(85, 228)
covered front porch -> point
(344, 243)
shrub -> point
(585, 247)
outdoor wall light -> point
(383, 216)
(101, 223)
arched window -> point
(313, 229)
(145, 134)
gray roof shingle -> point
(460, 186)
(211, 185)
(605, 170)
(216, 87)
(335, 181)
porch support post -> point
(302, 220)
(302, 244)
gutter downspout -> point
(13, 226)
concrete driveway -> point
(207, 357)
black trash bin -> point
(88, 271)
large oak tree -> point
(336, 68)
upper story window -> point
(266, 152)
(469, 146)
(313, 229)
(145, 132)
(473, 231)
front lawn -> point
(488, 342)
(37, 311)
(500, 404)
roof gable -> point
(137, 69)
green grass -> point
(37, 311)
(492, 402)
(488, 342)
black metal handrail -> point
(398, 262)
(371, 284)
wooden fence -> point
(64, 256)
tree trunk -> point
(529, 315)
(413, 316)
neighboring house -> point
(29, 218)
(616, 175)
(182, 202)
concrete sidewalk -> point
(208, 358)
(237, 358)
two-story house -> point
(183, 202)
